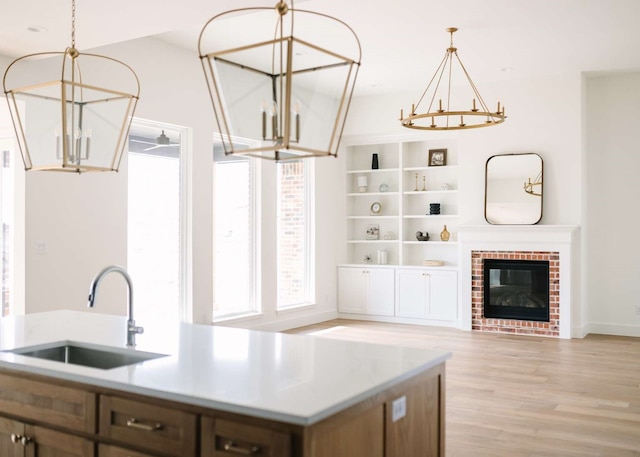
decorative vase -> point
(444, 235)
(374, 161)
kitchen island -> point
(216, 391)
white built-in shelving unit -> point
(412, 186)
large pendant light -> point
(71, 122)
(288, 90)
(438, 109)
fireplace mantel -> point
(563, 239)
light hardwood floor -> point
(523, 396)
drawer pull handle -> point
(133, 423)
(232, 447)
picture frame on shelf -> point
(437, 157)
(373, 232)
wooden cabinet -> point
(148, 426)
(18, 439)
(105, 450)
(138, 426)
(427, 294)
(365, 290)
(68, 407)
(222, 437)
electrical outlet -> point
(398, 409)
(638, 310)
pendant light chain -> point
(73, 23)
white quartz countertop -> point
(298, 379)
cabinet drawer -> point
(149, 427)
(227, 438)
(113, 451)
(66, 407)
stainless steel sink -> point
(88, 355)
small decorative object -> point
(362, 183)
(367, 258)
(433, 263)
(422, 236)
(376, 208)
(390, 235)
(374, 161)
(424, 183)
(382, 257)
(373, 232)
(444, 235)
(434, 208)
(444, 186)
(416, 188)
(437, 157)
(384, 187)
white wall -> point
(613, 166)
(83, 218)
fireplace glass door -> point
(516, 289)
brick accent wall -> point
(480, 323)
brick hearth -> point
(480, 323)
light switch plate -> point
(398, 409)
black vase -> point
(374, 162)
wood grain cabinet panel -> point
(167, 431)
(223, 438)
(9, 428)
(44, 442)
(67, 407)
(114, 451)
(421, 431)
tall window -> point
(235, 267)
(7, 159)
(154, 253)
(294, 263)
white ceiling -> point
(402, 41)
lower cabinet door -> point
(413, 293)
(381, 292)
(10, 431)
(351, 290)
(114, 451)
(43, 442)
(443, 299)
(222, 437)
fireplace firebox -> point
(516, 289)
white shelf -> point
(370, 194)
(371, 241)
(372, 217)
(444, 167)
(426, 192)
(431, 242)
(379, 170)
(429, 216)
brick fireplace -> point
(518, 326)
(557, 244)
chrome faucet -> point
(132, 330)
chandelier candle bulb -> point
(440, 110)
(474, 109)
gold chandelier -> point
(439, 114)
(71, 122)
(289, 93)
(534, 187)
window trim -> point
(255, 216)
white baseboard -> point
(398, 320)
(614, 329)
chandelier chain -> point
(73, 23)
